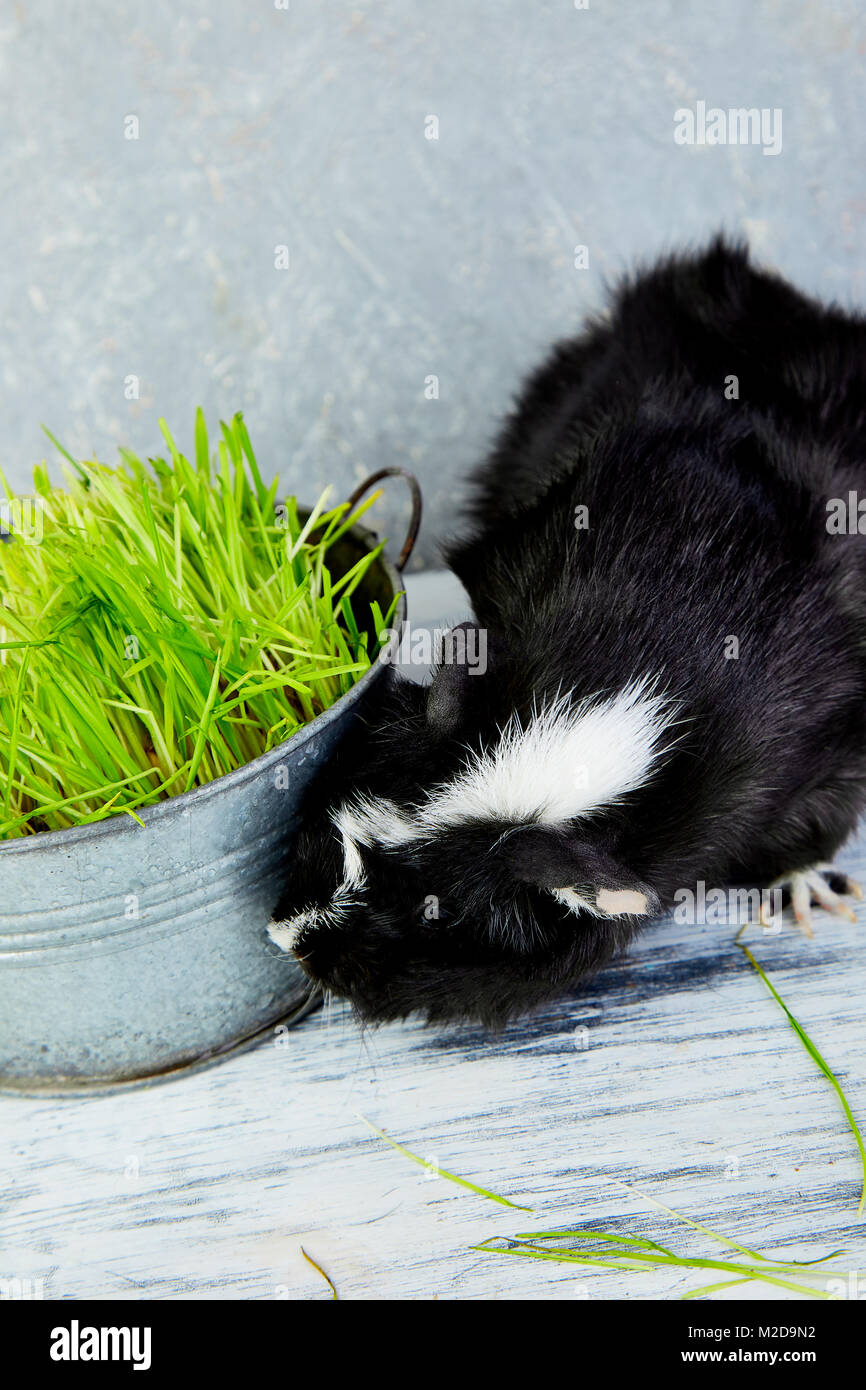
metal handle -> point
(414, 520)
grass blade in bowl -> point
(162, 625)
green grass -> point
(173, 621)
(629, 1254)
(318, 1268)
(812, 1051)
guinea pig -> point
(666, 560)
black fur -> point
(707, 519)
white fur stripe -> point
(353, 864)
(368, 822)
(287, 933)
(567, 762)
(576, 902)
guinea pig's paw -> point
(821, 886)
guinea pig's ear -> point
(463, 655)
(582, 875)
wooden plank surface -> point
(673, 1072)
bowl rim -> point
(120, 824)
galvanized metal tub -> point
(129, 952)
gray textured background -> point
(409, 257)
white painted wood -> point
(674, 1071)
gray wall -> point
(305, 127)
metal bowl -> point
(129, 952)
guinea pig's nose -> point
(303, 937)
(286, 932)
(315, 954)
